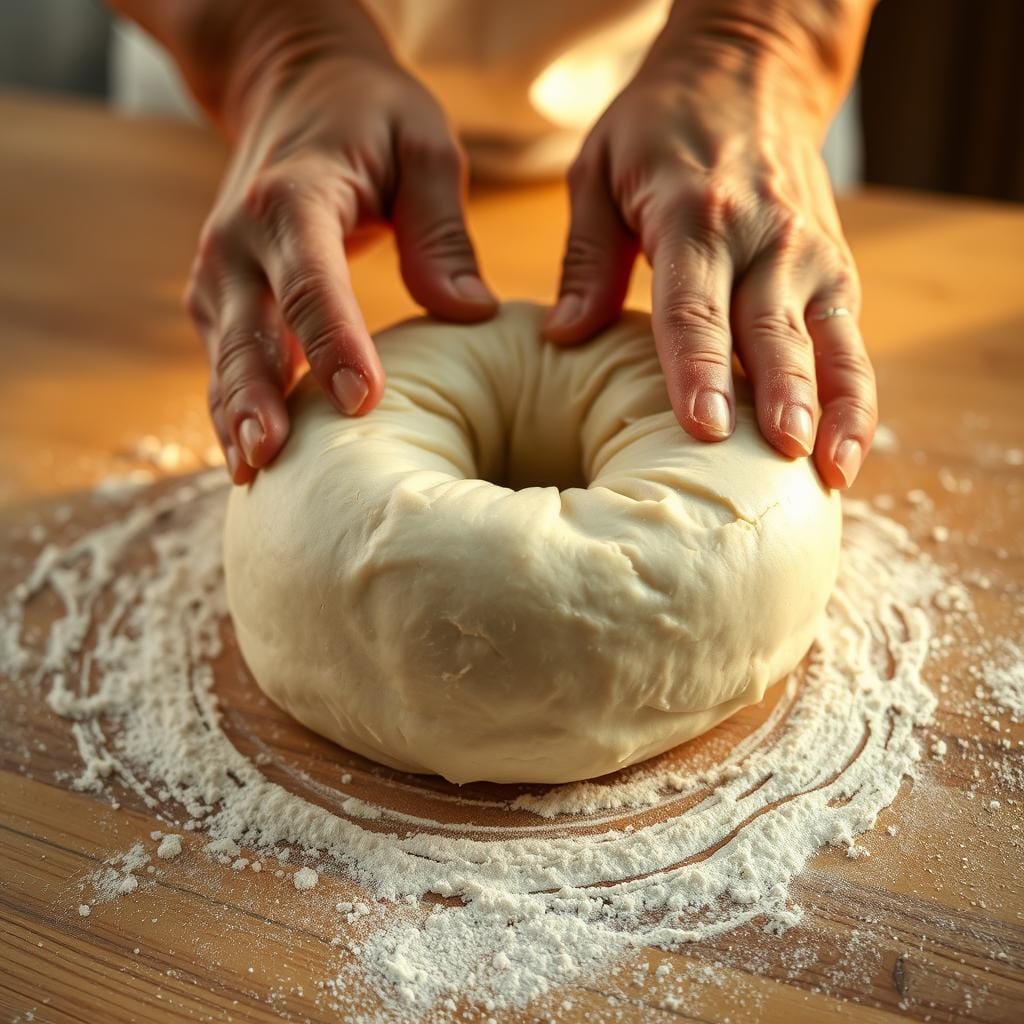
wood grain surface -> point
(98, 217)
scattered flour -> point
(305, 878)
(117, 877)
(467, 912)
(170, 847)
(122, 486)
(885, 441)
(1003, 673)
(127, 885)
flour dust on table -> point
(481, 898)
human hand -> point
(328, 143)
(709, 162)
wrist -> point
(284, 47)
(233, 52)
(800, 53)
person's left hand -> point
(715, 174)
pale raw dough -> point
(392, 597)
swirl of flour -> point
(536, 888)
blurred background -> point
(939, 104)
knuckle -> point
(709, 206)
(782, 377)
(194, 305)
(304, 307)
(714, 208)
(583, 257)
(860, 408)
(233, 385)
(300, 295)
(846, 283)
(790, 239)
(446, 239)
(679, 191)
(816, 252)
(233, 358)
(779, 329)
(667, 209)
(231, 390)
(699, 316)
(702, 364)
(854, 366)
(632, 193)
(320, 348)
(270, 198)
(213, 241)
(213, 398)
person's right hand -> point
(328, 143)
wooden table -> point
(98, 218)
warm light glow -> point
(574, 90)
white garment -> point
(522, 81)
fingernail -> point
(567, 311)
(711, 410)
(232, 460)
(250, 434)
(796, 423)
(350, 389)
(472, 289)
(849, 456)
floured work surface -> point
(116, 914)
(419, 900)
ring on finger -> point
(831, 313)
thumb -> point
(436, 256)
(599, 256)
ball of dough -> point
(519, 567)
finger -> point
(239, 471)
(436, 256)
(252, 366)
(846, 389)
(200, 306)
(304, 260)
(773, 342)
(598, 261)
(690, 316)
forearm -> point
(807, 50)
(224, 47)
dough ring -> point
(519, 568)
